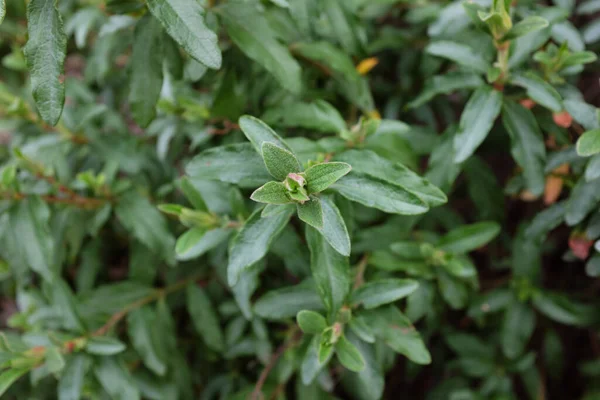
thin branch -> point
(257, 392)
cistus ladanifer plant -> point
(299, 199)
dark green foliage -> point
(299, 199)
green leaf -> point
(330, 270)
(361, 329)
(476, 121)
(10, 376)
(288, 301)
(539, 90)
(525, 26)
(192, 194)
(469, 237)
(583, 200)
(585, 114)
(146, 223)
(55, 362)
(104, 346)
(29, 223)
(341, 25)
(446, 84)
(592, 267)
(258, 133)
(368, 162)
(204, 318)
(65, 306)
(349, 355)
(320, 176)
(146, 339)
(184, 22)
(146, 70)
(379, 292)
(377, 193)
(70, 384)
(334, 228)
(311, 212)
(517, 328)
(115, 378)
(369, 383)
(311, 366)
(250, 31)
(527, 144)
(272, 193)
(459, 53)
(45, 52)
(349, 82)
(2, 10)
(279, 162)
(560, 308)
(589, 143)
(453, 290)
(224, 164)
(253, 241)
(397, 332)
(311, 322)
(195, 242)
(318, 115)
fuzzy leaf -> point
(349, 355)
(279, 162)
(588, 144)
(184, 22)
(311, 322)
(272, 193)
(311, 212)
(319, 177)
(45, 52)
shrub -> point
(299, 199)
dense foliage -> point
(299, 199)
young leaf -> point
(224, 164)
(311, 212)
(527, 144)
(45, 52)
(378, 292)
(539, 91)
(476, 121)
(320, 176)
(446, 84)
(279, 162)
(184, 22)
(334, 228)
(251, 32)
(377, 193)
(330, 270)
(204, 318)
(272, 193)
(197, 241)
(459, 53)
(288, 301)
(528, 25)
(349, 355)
(588, 144)
(104, 346)
(253, 241)
(469, 237)
(258, 133)
(318, 115)
(311, 322)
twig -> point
(360, 273)
(256, 393)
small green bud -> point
(344, 315)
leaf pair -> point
(295, 185)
